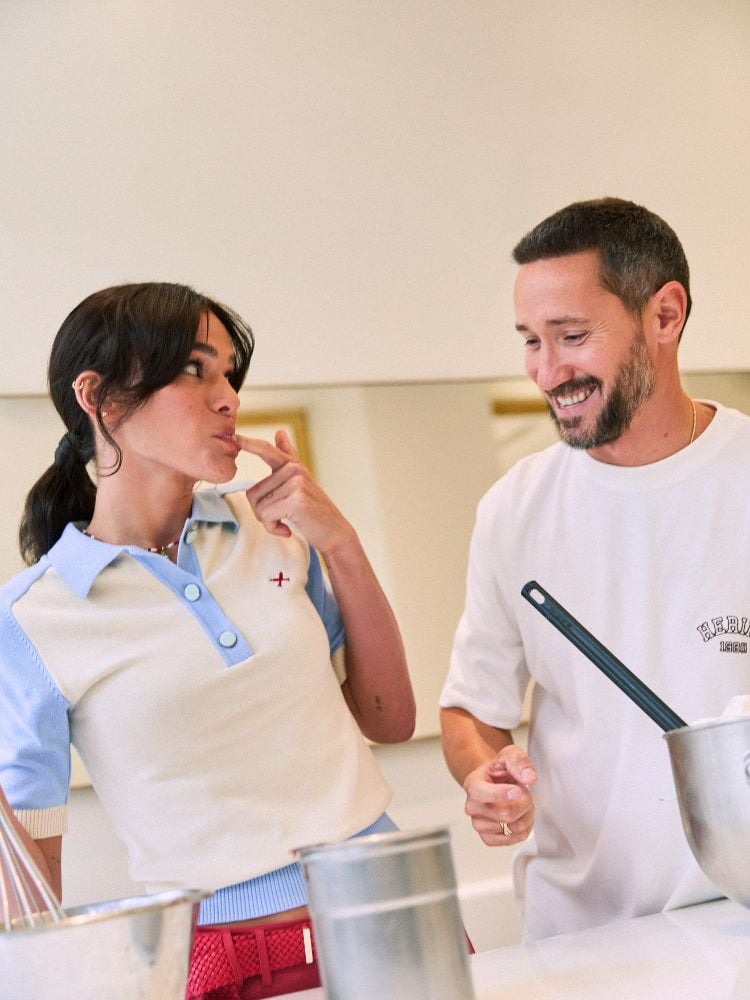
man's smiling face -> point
(584, 350)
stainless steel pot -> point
(137, 948)
(386, 917)
(711, 768)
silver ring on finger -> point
(505, 830)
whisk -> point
(26, 899)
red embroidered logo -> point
(278, 580)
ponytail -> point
(65, 492)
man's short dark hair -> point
(638, 251)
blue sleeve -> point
(34, 724)
(320, 593)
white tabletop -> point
(696, 953)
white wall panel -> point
(351, 174)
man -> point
(637, 523)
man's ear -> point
(668, 307)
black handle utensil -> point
(601, 657)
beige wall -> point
(351, 174)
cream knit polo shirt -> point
(200, 696)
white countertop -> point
(696, 953)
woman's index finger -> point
(269, 453)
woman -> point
(186, 641)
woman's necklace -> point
(160, 550)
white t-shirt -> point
(653, 560)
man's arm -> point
(494, 773)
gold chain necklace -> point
(695, 420)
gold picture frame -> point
(516, 407)
(520, 426)
(264, 424)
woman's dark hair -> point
(638, 251)
(138, 338)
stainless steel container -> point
(711, 768)
(386, 917)
(137, 948)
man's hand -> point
(498, 798)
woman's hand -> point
(290, 493)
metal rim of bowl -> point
(707, 724)
(90, 913)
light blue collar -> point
(78, 559)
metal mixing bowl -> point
(711, 768)
(137, 948)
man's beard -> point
(633, 385)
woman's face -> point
(187, 428)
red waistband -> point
(222, 956)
